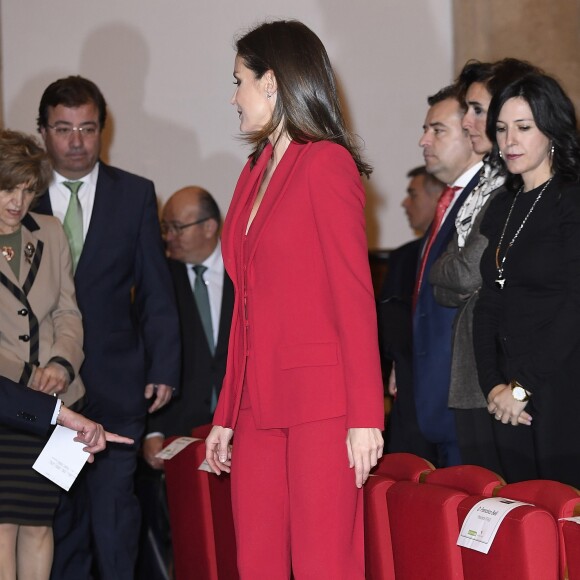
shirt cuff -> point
(154, 434)
(56, 412)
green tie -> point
(73, 221)
(202, 301)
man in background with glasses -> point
(131, 330)
(190, 224)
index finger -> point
(362, 469)
(114, 438)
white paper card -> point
(62, 458)
(482, 522)
(204, 466)
(575, 519)
(175, 447)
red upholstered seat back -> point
(200, 514)
(471, 479)
(392, 467)
(571, 533)
(424, 530)
(378, 553)
(558, 499)
(402, 466)
(525, 547)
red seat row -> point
(413, 515)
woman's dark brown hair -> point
(554, 115)
(307, 105)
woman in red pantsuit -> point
(303, 372)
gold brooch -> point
(8, 252)
(29, 250)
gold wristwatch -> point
(519, 393)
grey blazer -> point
(456, 282)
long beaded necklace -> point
(499, 264)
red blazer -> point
(310, 331)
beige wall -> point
(165, 68)
(545, 32)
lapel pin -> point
(29, 250)
(8, 252)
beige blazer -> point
(39, 317)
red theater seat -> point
(392, 467)
(558, 499)
(471, 479)
(424, 531)
(571, 533)
(402, 466)
(525, 546)
(200, 514)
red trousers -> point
(295, 502)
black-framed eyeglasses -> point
(65, 131)
(177, 229)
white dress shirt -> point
(214, 280)
(461, 182)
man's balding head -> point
(190, 222)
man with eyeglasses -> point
(131, 328)
(190, 225)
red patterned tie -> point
(442, 205)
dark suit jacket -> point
(394, 305)
(25, 409)
(402, 271)
(200, 371)
(125, 296)
(395, 334)
(394, 312)
(432, 337)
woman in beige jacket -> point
(41, 341)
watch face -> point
(519, 393)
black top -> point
(531, 328)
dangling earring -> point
(500, 154)
(551, 151)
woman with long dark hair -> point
(527, 318)
(456, 276)
(303, 374)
